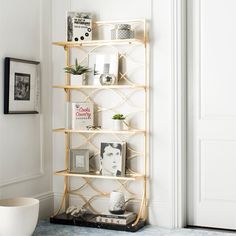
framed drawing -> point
(21, 86)
(79, 161)
(103, 63)
(113, 158)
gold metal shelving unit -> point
(130, 85)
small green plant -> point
(118, 117)
(76, 69)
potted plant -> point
(78, 73)
(118, 121)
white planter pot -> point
(118, 124)
(19, 216)
(77, 80)
(117, 202)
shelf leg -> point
(66, 178)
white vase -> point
(19, 216)
(118, 124)
(77, 80)
(117, 202)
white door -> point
(212, 113)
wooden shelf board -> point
(97, 176)
(98, 87)
(63, 130)
(99, 42)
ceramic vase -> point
(106, 78)
(122, 31)
(117, 202)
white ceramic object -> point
(77, 80)
(18, 216)
(118, 124)
(117, 202)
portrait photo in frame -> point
(79, 161)
(21, 86)
(113, 158)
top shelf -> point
(99, 43)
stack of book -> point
(124, 219)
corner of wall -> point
(46, 203)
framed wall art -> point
(79, 161)
(21, 86)
(113, 158)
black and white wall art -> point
(21, 86)
(113, 158)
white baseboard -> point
(159, 214)
(46, 204)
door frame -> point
(179, 113)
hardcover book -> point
(113, 158)
(79, 26)
(123, 219)
(82, 115)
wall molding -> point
(44, 196)
(178, 186)
(37, 174)
(46, 201)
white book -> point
(124, 219)
(82, 115)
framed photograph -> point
(79, 161)
(21, 86)
(101, 63)
(78, 26)
(113, 158)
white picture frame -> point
(79, 161)
(97, 61)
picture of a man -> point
(111, 158)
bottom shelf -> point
(90, 222)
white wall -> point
(159, 13)
(25, 140)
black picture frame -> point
(21, 86)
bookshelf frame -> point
(95, 44)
